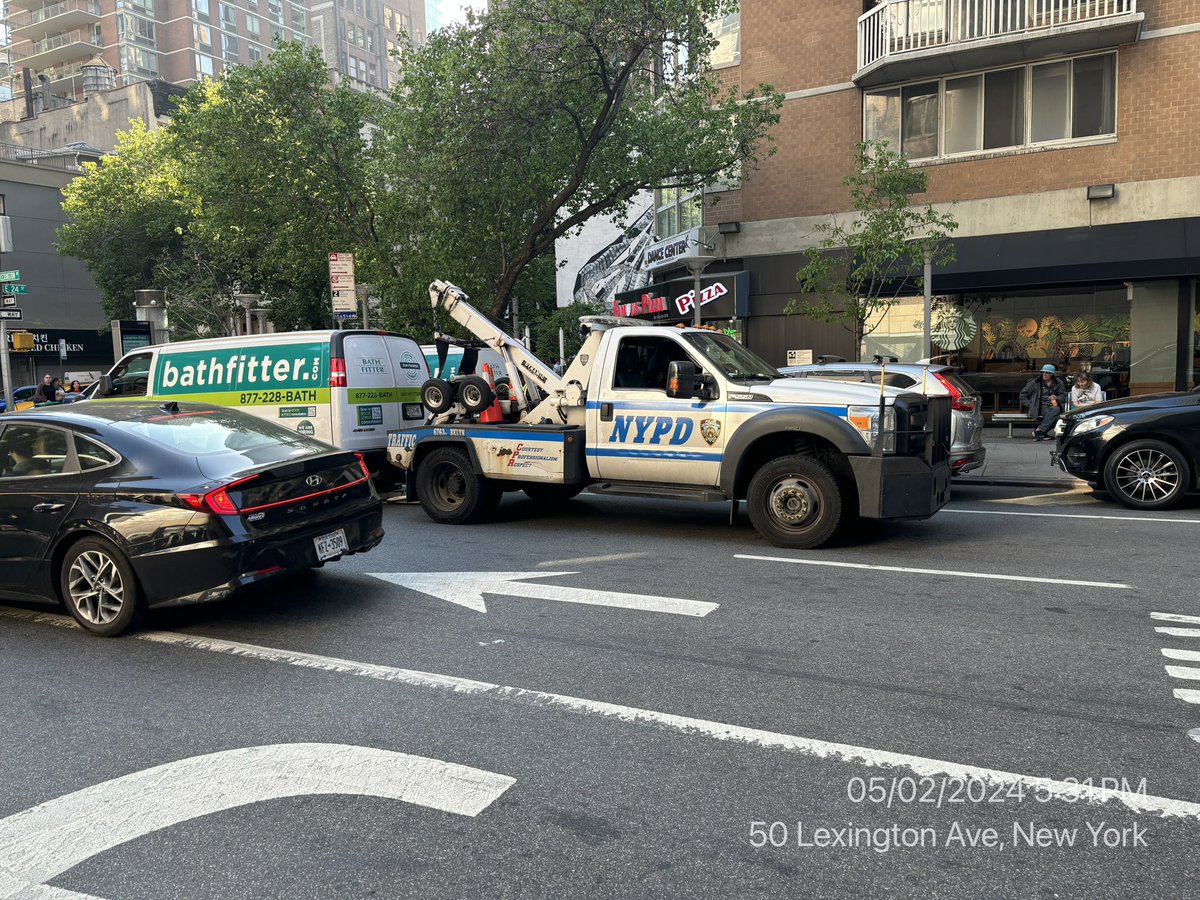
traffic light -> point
(22, 340)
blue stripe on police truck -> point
(711, 406)
(686, 455)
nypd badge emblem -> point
(710, 430)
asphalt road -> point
(937, 725)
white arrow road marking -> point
(912, 571)
(44, 841)
(1185, 672)
(1187, 696)
(1179, 632)
(1174, 617)
(467, 589)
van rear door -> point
(384, 374)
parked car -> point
(967, 451)
(22, 398)
(1145, 451)
(117, 506)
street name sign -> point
(10, 314)
(10, 275)
(16, 288)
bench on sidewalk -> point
(1012, 419)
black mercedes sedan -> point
(1145, 451)
(112, 507)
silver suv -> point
(966, 451)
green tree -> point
(511, 131)
(864, 263)
(126, 214)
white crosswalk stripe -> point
(1187, 696)
(1185, 673)
(1174, 617)
(1185, 655)
(1180, 632)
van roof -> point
(277, 337)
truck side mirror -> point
(685, 381)
(104, 387)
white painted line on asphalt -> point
(467, 589)
(1180, 632)
(584, 560)
(1068, 791)
(1001, 512)
(911, 571)
(46, 840)
(1184, 655)
(1185, 672)
(1187, 696)
(1173, 617)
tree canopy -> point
(502, 135)
(866, 262)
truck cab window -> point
(642, 362)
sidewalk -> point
(1020, 461)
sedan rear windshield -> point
(223, 441)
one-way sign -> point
(10, 314)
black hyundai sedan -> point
(1145, 451)
(115, 506)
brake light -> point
(362, 462)
(337, 372)
(218, 501)
(959, 401)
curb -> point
(1017, 481)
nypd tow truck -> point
(678, 413)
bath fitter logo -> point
(283, 366)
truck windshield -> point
(733, 360)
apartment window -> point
(228, 15)
(205, 66)
(727, 32)
(251, 4)
(133, 28)
(1041, 103)
(298, 23)
(254, 25)
(388, 21)
(200, 9)
(254, 54)
(678, 210)
(229, 48)
(139, 61)
(275, 11)
(203, 37)
(146, 7)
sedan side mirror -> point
(105, 386)
(685, 381)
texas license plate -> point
(331, 545)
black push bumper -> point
(900, 487)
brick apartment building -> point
(1063, 132)
(181, 41)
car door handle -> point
(606, 412)
(48, 507)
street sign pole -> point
(5, 368)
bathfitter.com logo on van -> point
(276, 367)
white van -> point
(347, 388)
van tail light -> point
(217, 502)
(958, 400)
(337, 372)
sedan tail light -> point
(958, 400)
(362, 461)
(217, 501)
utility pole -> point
(5, 365)
(927, 319)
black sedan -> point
(1144, 450)
(115, 506)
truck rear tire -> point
(795, 501)
(450, 491)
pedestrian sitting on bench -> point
(1044, 397)
(1085, 392)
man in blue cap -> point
(1045, 396)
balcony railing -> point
(55, 42)
(897, 27)
(26, 18)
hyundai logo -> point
(314, 480)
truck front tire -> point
(450, 491)
(795, 501)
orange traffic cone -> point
(493, 413)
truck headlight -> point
(866, 422)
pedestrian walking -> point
(46, 392)
(1045, 397)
